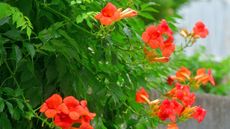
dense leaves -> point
(57, 46)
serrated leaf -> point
(18, 92)
(2, 105)
(10, 108)
(20, 104)
(8, 91)
(20, 21)
(30, 48)
(17, 54)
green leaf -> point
(147, 5)
(28, 31)
(18, 92)
(146, 15)
(29, 115)
(30, 48)
(79, 19)
(10, 108)
(4, 122)
(18, 18)
(5, 10)
(8, 91)
(17, 54)
(20, 104)
(2, 105)
(2, 51)
(16, 114)
(150, 9)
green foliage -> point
(17, 17)
(65, 50)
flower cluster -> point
(177, 104)
(68, 111)
(110, 14)
(158, 37)
(174, 106)
(183, 75)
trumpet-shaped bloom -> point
(142, 96)
(200, 30)
(63, 120)
(85, 126)
(159, 37)
(183, 94)
(182, 74)
(204, 76)
(169, 109)
(110, 14)
(51, 105)
(167, 49)
(153, 57)
(68, 111)
(199, 114)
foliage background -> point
(53, 46)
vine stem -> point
(188, 43)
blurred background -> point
(216, 15)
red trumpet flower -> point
(110, 14)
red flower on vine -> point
(159, 37)
(199, 114)
(203, 77)
(110, 14)
(63, 120)
(200, 30)
(181, 75)
(167, 48)
(51, 106)
(152, 36)
(169, 109)
(68, 111)
(183, 94)
(142, 96)
(85, 126)
(153, 57)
